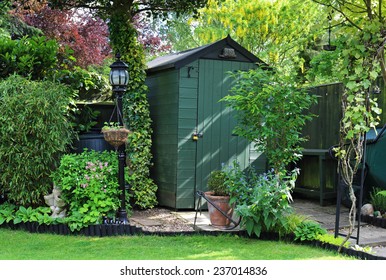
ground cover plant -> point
(20, 245)
(89, 187)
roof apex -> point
(180, 59)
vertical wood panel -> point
(163, 101)
(187, 120)
(322, 131)
(217, 121)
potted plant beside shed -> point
(218, 195)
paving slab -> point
(147, 222)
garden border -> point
(375, 221)
(109, 230)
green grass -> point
(20, 245)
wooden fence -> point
(318, 176)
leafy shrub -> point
(34, 57)
(89, 185)
(378, 200)
(271, 111)
(91, 86)
(308, 230)
(261, 200)
(30, 214)
(216, 183)
(35, 131)
(85, 118)
(38, 58)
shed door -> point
(215, 121)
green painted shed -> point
(192, 129)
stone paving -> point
(369, 236)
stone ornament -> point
(56, 203)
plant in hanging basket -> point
(114, 134)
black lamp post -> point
(119, 78)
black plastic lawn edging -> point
(103, 230)
(326, 246)
(375, 221)
(345, 251)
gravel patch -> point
(159, 220)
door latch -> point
(196, 136)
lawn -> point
(20, 245)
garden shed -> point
(192, 129)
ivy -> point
(361, 57)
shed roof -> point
(180, 59)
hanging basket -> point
(116, 136)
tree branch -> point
(368, 8)
(339, 11)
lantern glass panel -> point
(119, 77)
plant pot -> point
(116, 137)
(92, 141)
(217, 219)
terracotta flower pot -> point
(216, 218)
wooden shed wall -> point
(216, 121)
(163, 100)
(187, 123)
(184, 101)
